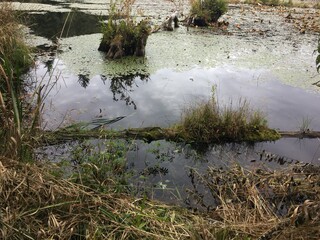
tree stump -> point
(124, 38)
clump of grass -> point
(205, 12)
(305, 125)
(123, 37)
(207, 122)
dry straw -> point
(264, 204)
(36, 205)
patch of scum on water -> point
(101, 7)
(261, 39)
(182, 50)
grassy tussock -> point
(208, 122)
(123, 36)
(207, 11)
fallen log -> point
(299, 134)
(150, 134)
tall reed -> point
(14, 61)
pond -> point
(260, 57)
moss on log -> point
(150, 134)
(171, 134)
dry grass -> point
(13, 51)
(264, 204)
(8, 28)
(14, 60)
(36, 205)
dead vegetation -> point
(35, 204)
(263, 204)
(259, 204)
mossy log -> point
(150, 134)
(147, 134)
(172, 134)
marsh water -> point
(260, 58)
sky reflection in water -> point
(159, 100)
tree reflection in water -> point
(83, 80)
(121, 86)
